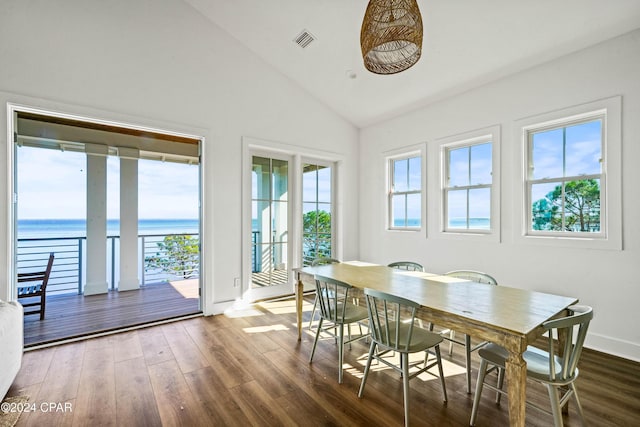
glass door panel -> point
(269, 221)
(317, 221)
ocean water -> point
(474, 223)
(46, 228)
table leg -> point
(299, 293)
(516, 369)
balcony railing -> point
(68, 273)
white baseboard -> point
(218, 307)
(625, 349)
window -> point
(316, 212)
(469, 185)
(405, 192)
(571, 187)
(564, 178)
(467, 190)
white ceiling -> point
(467, 43)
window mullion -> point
(406, 210)
(468, 221)
(564, 151)
(563, 211)
(408, 176)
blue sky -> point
(470, 165)
(583, 151)
(52, 185)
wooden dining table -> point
(510, 317)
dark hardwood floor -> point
(247, 368)
(69, 316)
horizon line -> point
(108, 219)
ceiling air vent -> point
(304, 39)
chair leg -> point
(572, 386)
(340, 351)
(372, 349)
(43, 304)
(500, 383)
(440, 370)
(315, 341)
(555, 405)
(452, 335)
(467, 348)
(313, 311)
(404, 357)
(482, 372)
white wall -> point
(608, 280)
(159, 63)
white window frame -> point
(490, 134)
(390, 158)
(610, 235)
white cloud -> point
(52, 185)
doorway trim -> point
(57, 110)
(297, 156)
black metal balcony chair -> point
(33, 285)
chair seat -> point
(29, 290)
(355, 313)
(537, 360)
(421, 339)
(352, 313)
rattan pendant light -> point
(391, 36)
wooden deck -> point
(70, 316)
(276, 277)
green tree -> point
(316, 229)
(543, 211)
(581, 207)
(178, 255)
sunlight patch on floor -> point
(449, 368)
(242, 309)
(353, 371)
(284, 307)
(325, 334)
(187, 288)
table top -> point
(512, 310)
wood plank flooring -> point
(247, 368)
(69, 316)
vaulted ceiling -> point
(467, 43)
